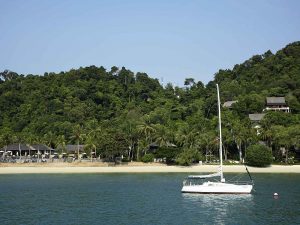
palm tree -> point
(267, 135)
(227, 139)
(238, 133)
(61, 143)
(129, 128)
(207, 140)
(50, 139)
(38, 140)
(95, 136)
(18, 139)
(281, 138)
(187, 137)
(90, 144)
(78, 136)
(29, 139)
(141, 145)
(146, 130)
(287, 137)
(6, 139)
(162, 137)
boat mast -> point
(220, 137)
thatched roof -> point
(73, 148)
(16, 147)
(27, 147)
(41, 147)
(228, 104)
(256, 116)
(276, 101)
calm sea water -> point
(142, 199)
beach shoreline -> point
(76, 168)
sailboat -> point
(200, 183)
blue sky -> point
(169, 40)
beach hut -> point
(17, 149)
(27, 150)
(42, 149)
(73, 150)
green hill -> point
(120, 112)
(264, 75)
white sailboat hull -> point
(218, 188)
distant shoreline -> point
(77, 168)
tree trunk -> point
(5, 149)
(240, 152)
(286, 155)
(96, 153)
(20, 150)
(225, 153)
(138, 153)
(78, 150)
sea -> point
(142, 199)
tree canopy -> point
(130, 110)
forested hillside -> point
(121, 113)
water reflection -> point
(216, 197)
(223, 207)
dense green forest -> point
(119, 112)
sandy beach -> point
(58, 168)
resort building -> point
(229, 104)
(255, 119)
(26, 150)
(72, 150)
(276, 104)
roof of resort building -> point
(256, 116)
(26, 147)
(41, 147)
(228, 104)
(275, 100)
(16, 147)
(73, 148)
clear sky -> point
(168, 39)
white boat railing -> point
(193, 181)
(204, 176)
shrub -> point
(168, 153)
(188, 156)
(258, 155)
(148, 158)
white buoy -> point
(276, 195)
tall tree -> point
(78, 136)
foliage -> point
(168, 153)
(148, 158)
(120, 113)
(188, 156)
(258, 155)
